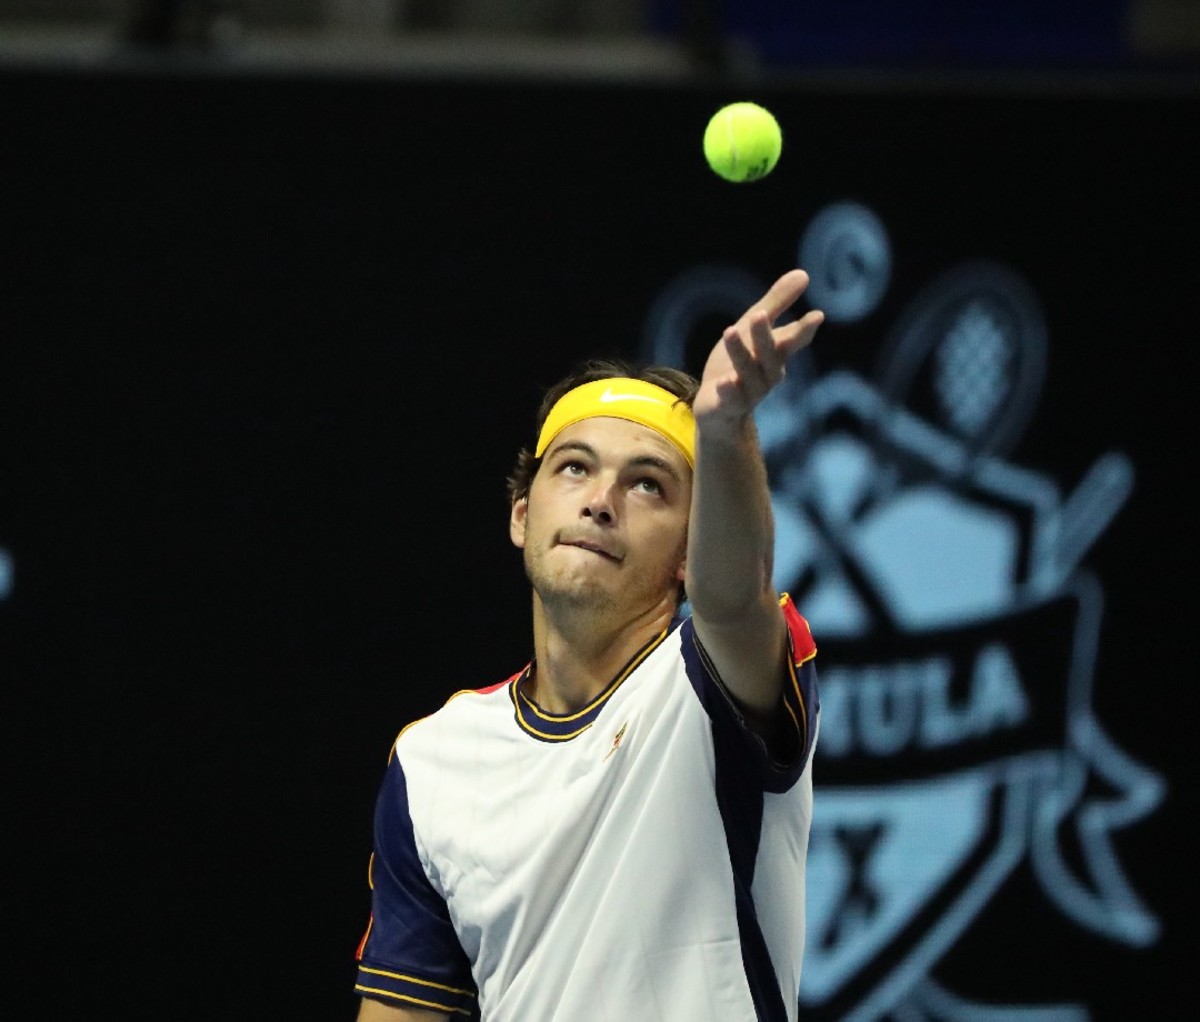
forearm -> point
(731, 533)
(730, 554)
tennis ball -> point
(742, 142)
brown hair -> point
(678, 382)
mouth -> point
(595, 548)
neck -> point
(577, 654)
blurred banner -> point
(271, 343)
(910, 33)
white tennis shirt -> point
(641, 860)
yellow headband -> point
(623, 398)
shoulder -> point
(466, 707)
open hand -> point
(751, 355)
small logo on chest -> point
(616, 741)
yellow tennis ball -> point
(742, 142)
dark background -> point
(268, 345)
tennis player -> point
(617, 832)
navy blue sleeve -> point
(410, 954)
(799, 705)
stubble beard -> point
(567, 592)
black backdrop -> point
(269, 343)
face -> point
(605, 524)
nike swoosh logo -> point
(608, 396)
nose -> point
(600, 505)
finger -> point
(764, 345)
(798, 334)
(783, 293)
(751, 378)
(740, 351)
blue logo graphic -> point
(958, 628)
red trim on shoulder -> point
(501, 684)
(804, 647)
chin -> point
(573, 593)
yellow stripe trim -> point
(418, 982)
(410, 1000)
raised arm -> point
(731, 534)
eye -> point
(648, 485)
(573, 468)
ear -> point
(681, 571)
(516, 522)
